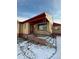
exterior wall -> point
(49, 18)
(35, 28)
(17, 27)
(57, 29)
(49, 27)
(26, 28)
(50, 23)
(20, 28)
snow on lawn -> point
(58, 53)
(37, 51)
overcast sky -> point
(29, 8)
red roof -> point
(38, 17)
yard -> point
(29, 50)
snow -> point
(58, 54)
(38, 51)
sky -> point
(28, 8)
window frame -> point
(41, 24)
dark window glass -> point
(42, 26)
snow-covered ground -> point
(31, 51)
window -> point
(57, 28)
(42, 26)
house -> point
(40, 24)
(56, 29)
(17, 28)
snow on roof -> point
(57, 21)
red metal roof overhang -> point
(37, 19)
